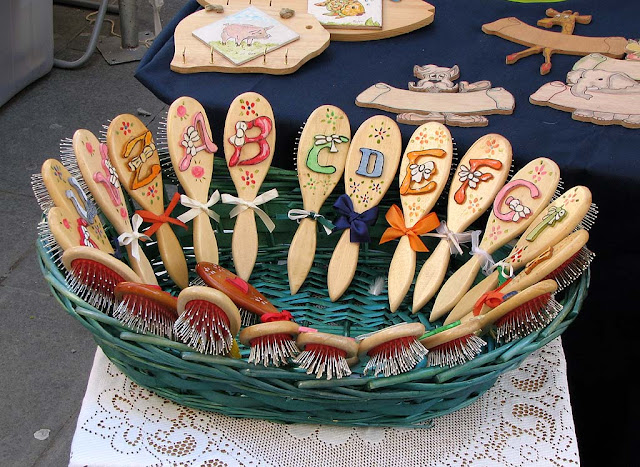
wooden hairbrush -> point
(322, 353)
(423, 174)
(322, 153)
(249, 143)
(371, 164)
(192, 149)
(134, 156)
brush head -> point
(243, 294)
(393, 350)
(271, 343)
(208, 320)
(326, 353)
(146, 308)
(527, 318)
(455, 345)
(93, 275)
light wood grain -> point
(397, 17)
(316, 186)
(314, 39)
(385, 97)
(461, 215)
(108, 196)
(128, 141)
(576, 202)
(389, 334)
(58, 181)
(598, 61)
(378, 133)
(605, 107)
(430, 143)
(533, 186)
(215, 297)
(247, 178)
(194, 172)
(514, 30)
(266, 329)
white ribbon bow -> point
(454, 239)
(299, 214)
(507, 268)
(196, 207)
(133, 236)
(487, 260)
(243, 205)
(238, 138)
(333, 139)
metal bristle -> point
(94, 288)
(103, 131)
(323, 360)
(204, 327)
(49, 243)
(247, 318)
(456, 352)
(590, 218)
(70, 162)
(40, 192)
(296, 145)
(395, 357)
(571, 270)
(559, 190)
(527, 318)
(198, 282)
(144, 315)
(274, 349)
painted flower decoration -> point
(181, 111)
(247, 178)
(123, 213)
(66, 223)
(492, 145)
(520, 211)
(474, 204)
(516, 256)
(376, 186)
(354, 186)
(57, 171)
(365, 198)
(420, 172)
(496, 231)
(378, 133)
(439, 136)
(248, 108)
(126, 127)
(471, 177)
(152, 191)
(570, 198)
(89, 147)
(189, 140)
(539, 172)
(197, 171)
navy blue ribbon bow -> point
(357, 223)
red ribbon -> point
(492, 299)
(283, 316)
(157, 221)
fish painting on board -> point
(347, 14)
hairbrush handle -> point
(205, 243)
(172, 256)
(342, 266)
(244, 244)
(431, 275)
(301, 254)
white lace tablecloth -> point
(524, 420)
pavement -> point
(45, 354)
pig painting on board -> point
(243, 32)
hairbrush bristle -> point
(456, 351)
(49, 243)
(572, 269)
(93, 283)
(320, 359)
(40, 192)
(527, 318)
(247, 318)
(395, 356)
(205, 327)
(162, 146)
(145, 315)
(559, 190)
(70, 162)
(272, 349)
(589, 219)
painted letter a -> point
(364, 163)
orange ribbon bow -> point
(398, 229)
(157, 221)
(492, 299)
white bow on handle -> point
(243, 205)
(299, 214)
(487, 260)
(196, 207)
(133, 237)
(454, 239)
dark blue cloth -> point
(357, 223)
(600, 344)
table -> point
(525, 419)
(599, 344)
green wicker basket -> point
(237, 388)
